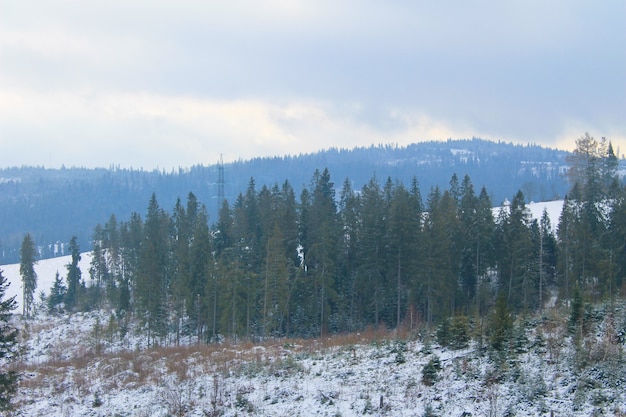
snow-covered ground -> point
(553, 208)
(46, 270)
(69, 369)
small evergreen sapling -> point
(57, 293)
(430, 371)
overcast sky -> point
(149, 84)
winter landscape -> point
(68, 370)
(312, 208)
(84, 364)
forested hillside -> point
(55, 204)
(279, 264)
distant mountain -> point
(56, 204)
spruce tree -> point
(322, 250)
(28, 257)
(349, 214)
(201, 270)
(151, 281)
(131, 238)
(57, 292)
(402, 242)
(371, 277)
(74, 276)
(501, 324)
(8, 344)
(98, 268)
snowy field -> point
(46, 270)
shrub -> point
(430, 371)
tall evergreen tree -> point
(223, 233)
(180, 242)
(74, 277)
(403, 232)
(372, 251)
(547, 256)
(349, 215)
(439, 282)
(112, 245)
(99, 268)
(514, 253)
(275, 284)
(28, 259)
(201, 272)
(485, 256)
(8, 345)
(151, 281)
(324, 244)
(131, 238)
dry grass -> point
(79, 370)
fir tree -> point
(28, 257)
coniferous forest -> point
(388, 254)
(55, 204)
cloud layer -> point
(167, 84)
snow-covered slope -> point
(78, 366)
(46, 270)
(553, 208)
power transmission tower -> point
(220, 184)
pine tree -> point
(28, 257)
(8, 344)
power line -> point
(220, 184)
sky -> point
(167, 84)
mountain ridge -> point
(56, 204)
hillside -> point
(56, 204)
(81, 365)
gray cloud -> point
(160, 83)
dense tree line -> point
(277, 265)
(34, 199)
